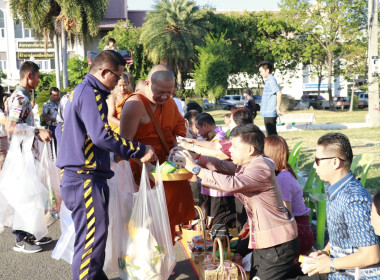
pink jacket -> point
(255, 184)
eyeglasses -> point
(317, 160)
(116, 75)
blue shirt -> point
(87, 138)
(349, 223)
(269, 99)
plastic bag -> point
(50, 178)
(120, 206)
(64, 249)
(149, 252)
(20, 186)
(122, 187)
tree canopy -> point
(212, 71)
(127, 38)
(171, 32)
(331, 23)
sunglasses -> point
(317, 160)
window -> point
(2, 24)
(21, 32)
(3, 61)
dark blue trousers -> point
(52, 128)
(87, 196)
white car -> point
(234, 99)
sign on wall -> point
(36, 55)
(33, 45)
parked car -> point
(341, 102)
(363, 100)
(311, 100)
(206, 104)
(257, 98)
(234, 99)
(225, 104)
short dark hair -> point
(242, 116)
(191, 116)
(111, 40)
(194, 106)
(338, 145)
(28, 66)
(107, 58)
(266, 65)
(376, 201)
(53, 89)
(203, 118)
(247, 91)
(250, 134)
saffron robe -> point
(179, 197)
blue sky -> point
(218, 4)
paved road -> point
(40, 266)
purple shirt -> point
(292, 192)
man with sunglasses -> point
(84, 147)
(352, 241)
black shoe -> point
(26, 246)
(42, 241)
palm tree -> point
(50, 18)
(171, 32)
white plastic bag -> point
(20, 186)
(122, 187)
(64, 249)
(149, 252)
(50, 178)
(120, 206)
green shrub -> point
(287, 103)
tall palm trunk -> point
(57, 63)
(64, 58)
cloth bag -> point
(21, 188)
(149, 252)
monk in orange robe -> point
(136, 124)
(116, 100)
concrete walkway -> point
(16, 265)
(326, 126)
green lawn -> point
(363, 140)
(321, 116)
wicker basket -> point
(220, 270)
(188, 234)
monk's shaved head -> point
(161, 72)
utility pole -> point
(373, 67)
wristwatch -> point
(36, 131)
(332, 267)
(196, 170)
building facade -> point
(17, 43)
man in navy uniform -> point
(84, 156)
